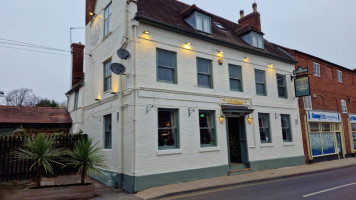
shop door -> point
(237, 140)
(339, 145)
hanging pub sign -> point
(300, 70)
(302, 87)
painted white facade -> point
(134, 108)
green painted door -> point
(237, 140)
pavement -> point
(253, 177)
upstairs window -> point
(307, 103)
(260, 79)
(254, 39)
(235, 78)
(107, 19)
(166, 66)
(204, 73)
(200, 22)
(316, 68)
(339, 76)
(343, 106)
(282, 88)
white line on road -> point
(334, 188)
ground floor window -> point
(322, 138)
(263, 121)
(353, 128)
(286, 130)
(207, 128)
(107, 128)
(168, 129)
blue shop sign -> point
(315, 116)
(353, 118)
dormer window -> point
(200, 22)
(253, 38)
(219, 26)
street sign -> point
(300, 70)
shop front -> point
(325, 134)
(353, 129)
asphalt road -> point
(339, 184)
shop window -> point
(168, 129)
(260, 79)
(107, 76)
(207, 128)
(166, 66)
(205, 73)
(322, 138)
(263, 121)
(235, 75)
(282, 88)
(107, 128)
(286, 129)
(353, 128)
(316, 68)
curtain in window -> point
(315, 144)
(328, 143)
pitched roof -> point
(33, 115)
(172, 13)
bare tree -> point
(22, 97)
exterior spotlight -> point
(188, 43)
(92, 14)
(146, 32)
(221, 61)
(113, 92)
(98, 99)
(221, 119)
(270, 65)
(246, 59)
(221, 52)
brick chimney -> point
(252, 19)
(77, 62)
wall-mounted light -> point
(92, 14)
(146, 32)
(221, 119)
(220, 52)
(249, 119)
(97, 99)
(270, 65)
(188, 43)
(113, 92)
(220, 60)
(246, 59)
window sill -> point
(107, 150)
(169, 152)
(267, 145)
(106, 36)
(288, 144)
(208, 149)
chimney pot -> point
(254, 7)
(242, 14)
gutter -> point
(177, 29)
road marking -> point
(334, 188)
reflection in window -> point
(207, 130)
(263, 121)
(167, 128)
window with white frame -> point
(199, 21)
(307, 103)
(107, 76)
(322, 138)
(253, 38)
(107, 19)
(339, 76)
(343, 106)
(264, 125)
(316, 69)
(76, 97)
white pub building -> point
(195, 95)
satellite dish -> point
(117, 68)
(123, 54)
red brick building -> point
(328, 115)
(34, 119)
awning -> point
(236, 109)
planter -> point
(73, 191)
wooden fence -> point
(12, 169)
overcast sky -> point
(323, 28)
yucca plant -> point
(86, 157)
(39, 150)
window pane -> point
(314, 127)
(235, 72)
(235, 85)
(260, 89)
(286, 130)
(203, 80)
(199, 22)
(165, 59)
(328, 143)
(281, 91)
(165, 74)
(206, 25)
(107, 129)
(207, 124)
(353, 126)
(315, 144)
(263, 121)
(167, 128)
(280, 80)
(325, 126)
(204, 66)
